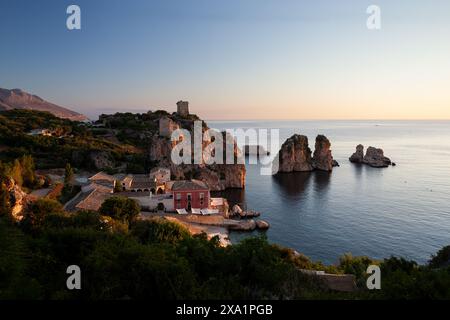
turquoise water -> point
(402, 210)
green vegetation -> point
(135, 128)
(22, 170)
(70, 141)
(121, 142)
(68, 176)
(441, 259)
(158, 259)
(120, 208)
(122, 257)
(69, 190)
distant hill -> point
(19, 99)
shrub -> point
(120, 208)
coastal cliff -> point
(148, 137)
(218, 177)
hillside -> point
(19, 99)
(71, 141)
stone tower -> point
(183, 108)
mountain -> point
(19, 99)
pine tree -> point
(28, 174)
(16, 172)
(68, 180)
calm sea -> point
(402, 210)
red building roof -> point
(185, 185)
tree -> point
(37, 212)
(16, 172)
(68, 183)
(68, 176)
(159, 231)
(120, 208)
(28, 174)
(441, 259)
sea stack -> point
(374, 157)
(322, 159)
(358, 156)
(295, 155)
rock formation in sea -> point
(322, 158)
(358, 156)
(236, 210)
(374, 157)
(295, 155)
(262, 225)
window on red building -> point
(202, 199)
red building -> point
(190, 194)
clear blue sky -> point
(232, 59)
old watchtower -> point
(183, 108)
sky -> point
(233, 59)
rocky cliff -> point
(217, 176)
(295, 155)
(18, 198)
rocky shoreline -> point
(214, 225)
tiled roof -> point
(142, 181)
(102, 176)
(189, 185)
(89, 200)
(94, 200)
